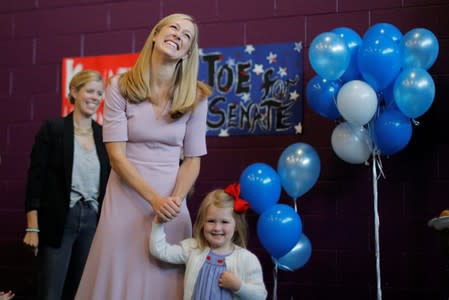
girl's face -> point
(88, 97)
(175, 39)
(219, 228)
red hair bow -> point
(240, 205)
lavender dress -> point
(119, 265)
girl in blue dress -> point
(218, 265)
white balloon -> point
(357, 102)
(351, 143)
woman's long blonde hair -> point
(186, 89)
(219, 198)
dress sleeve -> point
(115, 123)
(162, 250)
(195, 137)
(253, 286)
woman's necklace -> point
(83, 132)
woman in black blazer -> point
(67, 177)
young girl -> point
(218, 266)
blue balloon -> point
(419, 48)
(379, 61)
(279, 229)
(297, 257)
(260, 186)
(328, 55)
(353, 42)
(322, 96)
(299, 169)
(385, 29)
(392, 131)
(414, 92)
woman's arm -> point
(31, 238)
(194, 148)
(38, 168)
(166, 208)
(187, 174)
(37, 174)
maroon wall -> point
(337, 213)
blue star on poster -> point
(257, 89)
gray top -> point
(85, 176)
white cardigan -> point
(241, 262)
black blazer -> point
(50, 176)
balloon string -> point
(415, 122)
(376, 225)
(378, 162)
(296, 206)
(275, 279)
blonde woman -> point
(151, 113)
(66, 183)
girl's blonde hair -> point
(219, 198)
(186, 89)
(80, 79)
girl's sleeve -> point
(115, 122)
(162, 250)
(195, 137)
(253, 287)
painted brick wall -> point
(337, 213)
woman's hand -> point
(230, 281)
(6, 296)
(31, 240)
(166, 208)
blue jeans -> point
(60, 269)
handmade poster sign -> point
(257, 89)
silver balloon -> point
(351, 143)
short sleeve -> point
(115, 123)
(195, 137)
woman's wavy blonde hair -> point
(80, 79)
(186, 89)
(219, 198)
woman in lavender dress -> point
(151, 113)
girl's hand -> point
(166, 208)
(31, 240)
(230, 281)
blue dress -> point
(206, 285)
